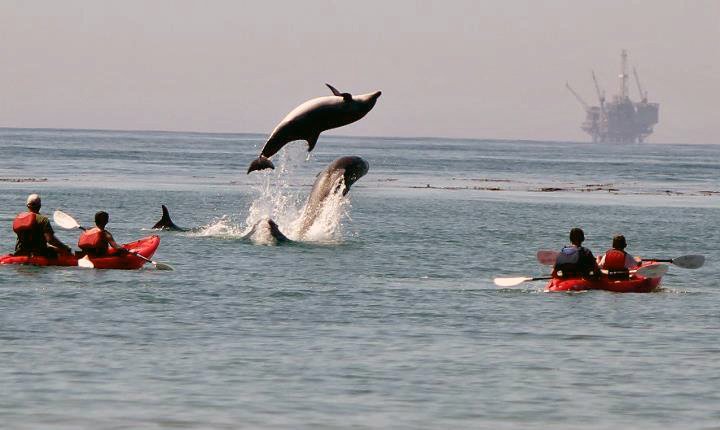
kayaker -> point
(616, 259)
(576, 260)
(97, 241)
(35, 235)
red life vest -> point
(24, 222)
(92, 240)
(614, 260)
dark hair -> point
(577, 236)
(619, 242)
(101, 219)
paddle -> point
(158, 265)
(66, 221)
(649, 271)
(511, 282)
(86, 263)
(685, 261)
(547, 258)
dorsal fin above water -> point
(345, 96)
(165, 222)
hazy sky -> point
(480, 69)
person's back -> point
(97, 241)
(93, 242)
(575, 260)
(30, 229)
(616, 261)
(34, 231)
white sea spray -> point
(280, 197)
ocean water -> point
(386, 317)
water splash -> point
(223, 227)
(328, 224)
(282, 199)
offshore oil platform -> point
(620, 120)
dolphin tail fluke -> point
(260, 163)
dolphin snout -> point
(369, 99)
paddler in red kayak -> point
(575, 260)
(35, 235)
(96, 241)
(616, 260)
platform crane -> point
(600, 93)
(643, 94)
(577, 96)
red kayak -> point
(636, 284)
(145, 247)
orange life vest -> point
(24, 222)
(93, 240)
(614, 260)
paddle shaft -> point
(140, 256)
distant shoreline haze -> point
(461, 69)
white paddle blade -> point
(162, 266)
(64, 220)
(86, 263)
(510, 282)
(652, 271)
(689, 261)
(547, 257)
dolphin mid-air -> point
(311, 118)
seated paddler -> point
(575, 260)
(97, 241)
(616, 261)
(35, 235)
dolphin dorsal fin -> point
(165, 222)
(312, 140)
(345, 96)
(166, 214)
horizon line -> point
(128, 130)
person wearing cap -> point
(97, 241)
(576, 260)
(35, 235)
(616, 260)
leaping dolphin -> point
(166, 223)
(337, 177)
(311, 118)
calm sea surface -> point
(388, 317)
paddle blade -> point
(652, 271)
(510, 282)
(86, 263)
(64, 220)
(162, 266)
(689, 261)
(547, 257)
